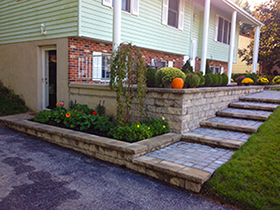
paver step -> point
(232, 124)
(244, 114)
(254, 105)
(212, 141)
(190, 164)
(263, 97)
(232, 135)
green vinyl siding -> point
(145, 30)
(217, 50)
(197, 25)
(21, 20)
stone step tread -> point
(231, 135)
(244, 114)
(264, 99)
(246, 111)
(201, 159)
(243, 122)
(212, 141)
(254, 105)
(228, 126)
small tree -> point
(207, 70)
(128, 68)
(187, 68)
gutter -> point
(243, 12)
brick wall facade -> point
(212, 63)
(83, 47)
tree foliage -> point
(245, 28)
(269, 48)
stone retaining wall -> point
(183, 109)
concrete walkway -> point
(36, 175)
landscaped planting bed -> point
(82, 118)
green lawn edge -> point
(251, 178)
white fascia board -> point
(243, 12)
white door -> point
(193, 53)
(46, 76)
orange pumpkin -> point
(177, 83)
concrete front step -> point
(244, 114)
(254, 106)
(184, 164)
(212, 141)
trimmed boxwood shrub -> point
(208, 80)
(167, 74)
(215, 79)
(192, 80)
(224, 79)
(151, 77)
(202, 78)
(187, 68)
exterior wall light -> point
(43, 29)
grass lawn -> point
(251, 179)
(10, 103)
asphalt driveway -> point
(38, 175)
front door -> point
(49, 78)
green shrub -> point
(224, 79)
(207, 68)
(151, 77)
(254, 77)
(102, 123)
(208, 80)
(202, 78)
(83, 107)
(43, 116)
(187, 68)
(215, 79)
(220, 79)
(276, 80)
(192, 80)
(167, 74)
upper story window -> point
(223, 28)
(173, 13)
(131, 6)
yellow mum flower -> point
(148, 128)
(163, 118)
(163, 126)
(138, 126)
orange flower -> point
(68, 114)
(57, 104)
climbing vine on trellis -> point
(128, 78)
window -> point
(101, 66)
(173, 13)
(215, 70)
(158, 64)
(131, 6)
(223, 30)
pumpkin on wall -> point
(177, 83)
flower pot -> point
(193, 87)
(239, 84)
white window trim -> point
(215, 69)
(181, 14)
(217, 29)
(134, 6)
(97, 75)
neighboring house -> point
(241, 67)
(47, 45)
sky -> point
(256, 2)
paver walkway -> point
(228, 132)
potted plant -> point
(262, 81)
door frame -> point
(45, 59)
